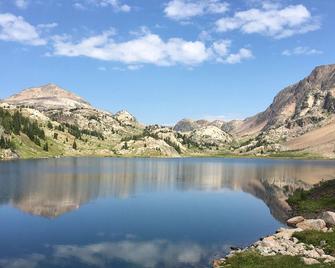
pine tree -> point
(74, 146)
(125, 146)
(46, 147)
(50, 125)
(2, 142)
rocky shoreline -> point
(284, 243)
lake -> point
(114, 212)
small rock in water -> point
(295, 220)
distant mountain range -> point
(50, 121)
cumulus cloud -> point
(186, 9)
(146, 48)
(22, 4)
(271, 20)
(15, 28)
(301, 51)
(242, 54)
(115, 4)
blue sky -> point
(165, 60)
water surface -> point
(109, 212)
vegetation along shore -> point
(310, 240)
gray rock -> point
(310, 261)
(295, 220)
(317, 225)
(328, 217)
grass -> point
(299, 155)
(310, 203)
(295, 155)
(252, 259)
(319, 239)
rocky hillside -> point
(300, 119)
(65, 124)
(305, 107)
(50, 121)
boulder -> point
(328, 217)
(310, 261)
(295, 220)
(286, 233)
(328, 258)
(317, 225)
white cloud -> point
(47, 25)
(185, 9)
(134, 67)
(79, 6)
(15, 28)
(271, 20)
(115, 4)
(301, 51)
(222, 47)
(22, 4)
(243, 54)
(148, 48)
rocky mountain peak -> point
(48, 97)
(324, 73)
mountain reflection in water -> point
(52, 187)
(150, 213)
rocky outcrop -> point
(8, 154)
(188, 125)
(210, 136)
(328, 217)
(295, 220)
(317, 225)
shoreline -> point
(224, 156)
(308, 239)
(283, 242)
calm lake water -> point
(106, 212)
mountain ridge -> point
(296, 111)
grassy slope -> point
(252, 259)
(310, 203)
(320, 239)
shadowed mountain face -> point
(307, 102)
(50, 188)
